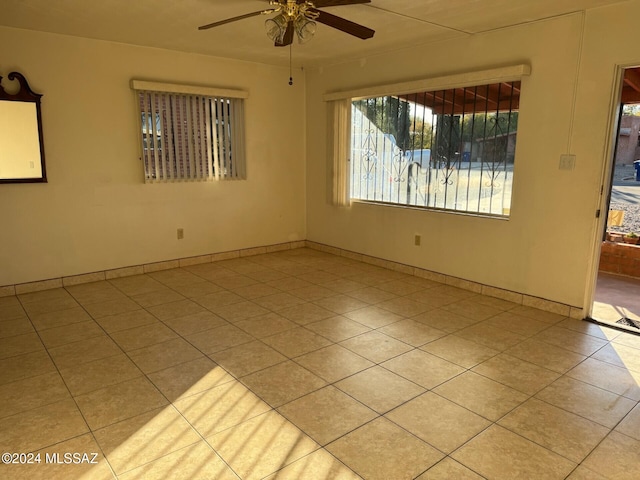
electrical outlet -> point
(180, 233)
(416, 240)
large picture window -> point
(451, 149)
(190, 136)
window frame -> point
(338, 158)
(211, 98)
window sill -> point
(492, 216)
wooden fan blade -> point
(344, 25)
(235, 19)
(335, 3)
(288, 36)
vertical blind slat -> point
(160, 134)
(193, 134)
(177, 136)
(197, 154)
(207, 113)
(216, 139)
(154, 139)
(144, 115)
(202, 164)
(223, 137)
(238, 137)
(220, 138)
(227, 137)
(232, 165)
(169, 137)
(227, 125)
(202, 155)
(189, 137)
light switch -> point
(567, 162)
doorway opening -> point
(616, 299)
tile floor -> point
(304, 365)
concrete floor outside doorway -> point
(616, 297)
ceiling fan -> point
(300, 17)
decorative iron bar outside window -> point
(191, 137)
(449, 149)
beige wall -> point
(546, 247)
(95, 213)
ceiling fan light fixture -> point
(298, 18)
(305, 29)
(276, 27)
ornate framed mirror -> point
(21, 143)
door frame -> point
(615, 108)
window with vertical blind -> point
(190, 133)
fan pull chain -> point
(290, 61)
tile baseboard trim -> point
(488, 290)
(59, 282)
(514, 297)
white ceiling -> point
(172, 24)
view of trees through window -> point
(451, 149)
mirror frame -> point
(25, 94)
